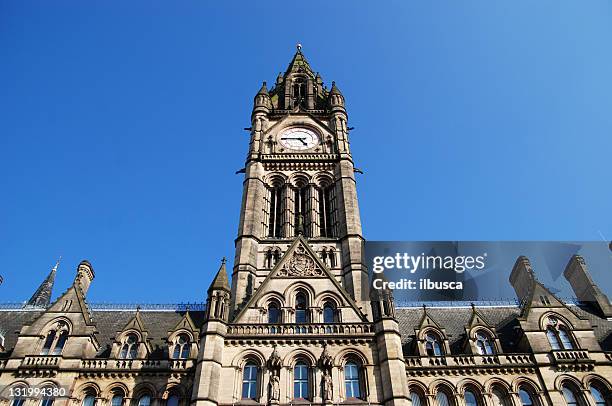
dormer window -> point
(182, 347)
(129, 350)
(433, 345)
(558, 335)
(55, 340)
(484, 344)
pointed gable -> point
(186, 323)
(300, 264)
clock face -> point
(299, 138)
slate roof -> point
(108, 323)
(503, 318)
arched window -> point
(173, 400)
(332, 258)
(526, 398)
(275, 222)
(89, 400)
(327, 212)
(300, 210)
(48, 343)
(329, 313)
(433, 346)
(417, 399)
(130, 348)
(144, 400)
(61, 341)
(301, 305)
(249, 381)
(570, 394)
(46, 402)
(500, 397)
(484, 344)
(566, 341)
(117, 399)
(558, 335)
(273, 313)
(598, 395)
(443, 399)
(351, 380)
(470, 398)
(552, 338)
(300, 381)
(18, 402)
(182, 347)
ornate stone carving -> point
(300, 265)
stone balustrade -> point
(41, 361)
(137, 364)
(467, 360)
(571, 355)
(300, 329)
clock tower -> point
(299, 181)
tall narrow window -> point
(433, 346)
(499, 397)
(46, 402)
(300, 211)
(144, 400)
(417, 399)
(300, 381)
(326, 206)
(249, 381)
(130, 348)
(566, 341)
(275, 216)
(470, 398)
(484, 344)
(552, 339)
(273, 313)
(18, 401)
(301, 311)
(571, 398)
(329, 313)
(117, 399)
(526, 399)
(61, 341)
(351, 380)
(181, 348)
(442, 399)
(90, 400)
(48, 343)
(598, 396)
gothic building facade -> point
(299, 323)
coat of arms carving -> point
(300, 264)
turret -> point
(336, 99)
(218, 303)
(84, 276)
(262, 102)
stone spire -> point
(42, 296)
(299, 64)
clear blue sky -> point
(121, 127)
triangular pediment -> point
(185, 323)
(477, 319)
(135, 323)
(428, 321)
(300, 263)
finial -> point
(57, 263)
(299, 47)
(223, 261)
